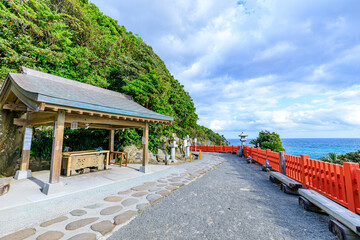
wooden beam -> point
(111, 143)
(56, 155)
(20, 121)
(38, 119)
(146, 145)
(15, 107)
(99, 120)
(53, 107)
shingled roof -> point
(45, 88)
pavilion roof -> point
(38, 87)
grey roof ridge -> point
(51, 77)
(152, 114)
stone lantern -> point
(242, 138)
(172, 144)
(187, 146)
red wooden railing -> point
(340, 183)
(215, 148)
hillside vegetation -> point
(73, 39)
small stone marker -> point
(80, 223)
(141, 188)
(53, 221)
(139, 194)
(154, 189)
(142, 206)
(113, 199)
(171, 188)
(78, 212)
(150, 184)
(125, 192)
(84, 236)
(120, 219)
(111, 210)
(20, 235)
(177, 184)
(153, 198)
(129, 202)
(177, 179)
(51, 235)
(163, 192)
(103, 227)
(93, 206)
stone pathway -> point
(235, 201)
(98, 220)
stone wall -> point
(10, 143)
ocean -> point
(314, 147)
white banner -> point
(27, 139)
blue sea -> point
(314, 147)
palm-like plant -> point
(332, 157)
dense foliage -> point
(268, 140)
(340, 158)
(73, 39)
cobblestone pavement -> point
(235, 201)
(98, 220)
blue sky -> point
(287, 66)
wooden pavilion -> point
(49, 100)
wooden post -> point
(145, 145)
(26, 149)
(111, 144)
(56, 155)
(349, 175)
(282, 162)
(302, 165)
(107, 160)
(68, 166)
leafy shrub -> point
(268, 140)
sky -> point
(292, 67)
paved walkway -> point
(95, 213)
(234, 201)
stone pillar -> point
(54, 184)
(185, 147)
(145, 141)
(173, 147)
(24, 171)
(282, 162)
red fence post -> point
(350, 175)
(302, 164)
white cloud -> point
(287, 66)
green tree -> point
(73, 39)
(268, 140)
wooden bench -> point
(124, 155)
(335, 210)
(288, 185)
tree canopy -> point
(73, 39)
(268, 140)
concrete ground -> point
(100, 207)
(27, 191)
(234, 201)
